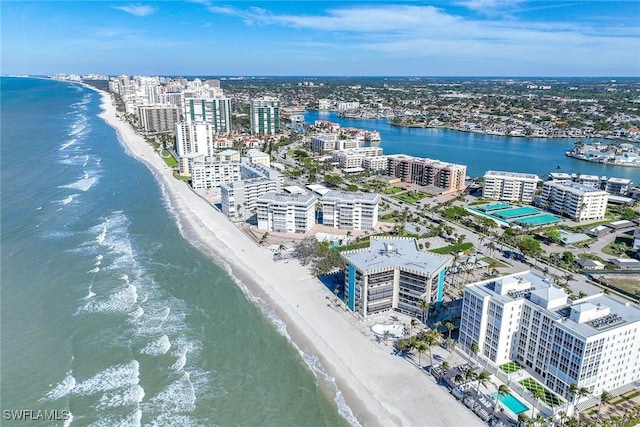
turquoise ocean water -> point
(106, 309)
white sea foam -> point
(133, 419)
(157, 347)
(94, 270)
(68, 421)
(67, 200)
(139, 311)
(91, 294)
(68, 144)
(120, 301)
(39, 208)
(110, 379)
(83, 184)
(179, 396)
(62, 389)
(125, 396)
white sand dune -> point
(380, 388)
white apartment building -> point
(354, 158)
(323, 142)
(588, 180)
(593, 342)
(212, 173)
(350, 211)
(393, 274)
(324, 104)
(194, 138)
(226, 156)
(239, 197)
(347, 105)
(286, 213)
(618, 186)
(375, 163)
(258, 157)
(265, 116)
(510, 186)
(576, 201)
(347, 144)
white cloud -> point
(136, 9)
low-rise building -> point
(618, 186)
(510, 186)
(593, 342)
(258, 157)
(286, 213)
(393, 274)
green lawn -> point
(494, 262)
(458, 247)
(391, 217)
(411, 196)
(511, 367)
(549, 398)
(364, 243)
(392, 190)
(169, 159)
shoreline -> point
(378, 387)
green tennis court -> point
(516, 212)
(494, 207)
(538, 220)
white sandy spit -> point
(380, 388)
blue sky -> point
(315, 38)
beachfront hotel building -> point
(593, 342)
(576, 201)
(211, 173)
(447, 177)
(286, 213)
(265, 116)
(393, 274)
(350, 211)
(238, 198)
(510, 186)
(194, 138)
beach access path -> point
(380, 388)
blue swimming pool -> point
(511, 402)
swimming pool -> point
(511, 402)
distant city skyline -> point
(314, 38)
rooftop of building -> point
(574, 187)
(504, 174)
(348, 195)
(256, 153)
(385, 253)
(287, 198)
(585, 317)
(618, 181)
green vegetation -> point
(620, 247)
(548, 397)
(169, 159)
(333, 180)
(184, 178)
(411, 196)
(494, 263)
(394, 216)
(359, 244)
(454, 212)
(458, 247)
(529, 246)
(511, 367)
(392, 190)
(625, 397)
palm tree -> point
(413, 324)
(537, 395)
(450, 326)
(604, 397)
(503, 390)
(474, 349)
(522, 419)
(482, 378)
(458, 379)
(424, 306)
(385, 337)
(422, 347)
(431, 339)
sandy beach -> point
(380, 389)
